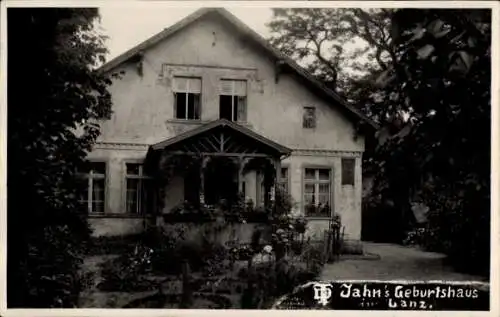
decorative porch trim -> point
(121, 146)
(220, 139)
(331, 153)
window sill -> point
(199, 121)
(117, 215)
(187, 121)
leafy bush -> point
(269, 281)
(113, 244)
(126, 273)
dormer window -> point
(233, 100)
(187, 91)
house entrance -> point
(221, 181)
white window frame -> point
(235, 94)
(187, 91)
(141, 177)
(317, 182)
(90, 176)
(285, 182)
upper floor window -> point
(309, 118)
(93, 195)
(348, 169)
(233, 99)
(187, 91)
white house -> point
(211, 87)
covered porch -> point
(216, 166)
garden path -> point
(396, 263)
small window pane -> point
(132, 195)
(98, 207)
(324, 198)
(133, 169)
(310, 188)
(180, 105)
(309, 199)
(241, 108)
(310, 174)
(98, 190)
(235, 109)
(324, 188)
(324, 174)
(98, 167)
(225, 107)
(193, 106)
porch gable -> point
(222, 137)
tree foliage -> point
(435, 144)
(339, 46)
(53, 89)
(427, 83)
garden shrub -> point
(126, 273)
(113, 244)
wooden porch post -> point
(277, 167)
(204, 160)
(242, 161)
(240, 174)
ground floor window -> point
(140, 192)
(284, 180)
(317, 192)
(93, 177)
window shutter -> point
(180, 84)
(240, 88)
(226, 87)
(233, 87)
(194, 85)
(186, 84)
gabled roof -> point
(244, 29)
(224, 124)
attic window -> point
(187, 91)
(309, 118)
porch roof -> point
(221, 137)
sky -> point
(129, 26)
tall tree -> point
(53, 89)
(435, 144)
(339, 46)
